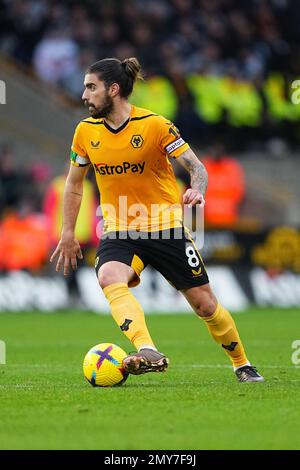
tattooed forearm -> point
(77, 194)
(199, 175)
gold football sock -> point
(223, 330)
(128, 314)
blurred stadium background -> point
(223, 71)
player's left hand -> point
(192, 197)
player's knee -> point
(106, 278)
(206, 306)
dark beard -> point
(105, 109)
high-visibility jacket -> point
(158, 94)
(24, 242)
(225, 191)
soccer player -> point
(129, 149)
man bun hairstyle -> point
(112, 70)
(132, 68)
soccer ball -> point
(102, 365)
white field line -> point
(176, 366)
(228, 366)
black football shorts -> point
(175, 257)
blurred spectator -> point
(24, 239)
(41, 174)
(56, 56)
(86, 222)
(82, 27)
(246, 41)
(23, 24)
(226, 188)
(86, 231)
(73, 81)
(145, 41)
(108, 37)
(124, 50)
(15, 182)
(60, 30)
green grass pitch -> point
(196, 404)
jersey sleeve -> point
(78, 154)
(171, 142)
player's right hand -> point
(67, 250)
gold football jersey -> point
(137, 185)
